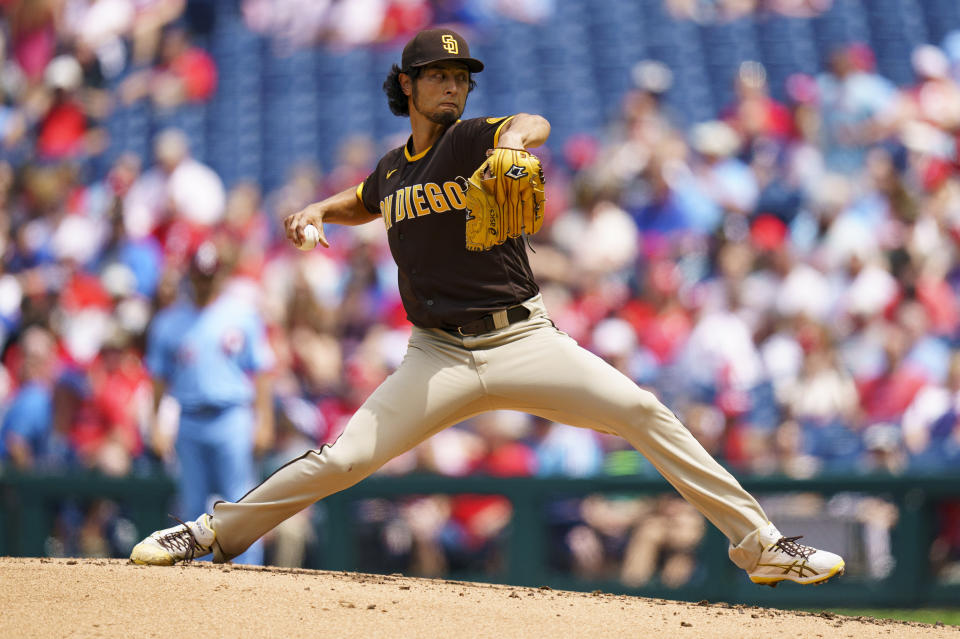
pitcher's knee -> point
(647, 409)
(647, 403)
(343, 460)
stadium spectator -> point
(97, 29)
(598, 236)
(671, 202)
(178, 199)
(754, 114)
(27, 438)
(147, 30)
(182, 73)
(64, 130)
(935, 98)
(824, 392)
(720, 174)
(857, 108)
(291, 24)
(930, 403)
(929, 423)
(104, 406)
(137, 261)
(885, 395)
(33, 31)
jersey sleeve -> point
(479, 134)
(368, 192)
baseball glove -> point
(504, 198)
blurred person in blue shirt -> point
(141, 256)
(856, 105)
(210, 353)
(671, 202)
(27, 430)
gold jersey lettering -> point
(435, 197)
(386, 210)
(406, 202)
(454, 194)
(398, 211)
(419, 203)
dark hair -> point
(396, 98)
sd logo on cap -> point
(434, 45)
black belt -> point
(494, 321)
(206, 411)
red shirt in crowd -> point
(198, 72)
(62, 130)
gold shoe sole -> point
(836, 571)
(152, 560)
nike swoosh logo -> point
(390, 172)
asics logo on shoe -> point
(800, 567)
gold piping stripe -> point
(414, 158)
(496, 135)
(360, 192)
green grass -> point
(949, 616)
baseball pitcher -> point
(457, 202)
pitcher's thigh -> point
(551, 373)
(420, 398)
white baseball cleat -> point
(783, 559)
(183, 542)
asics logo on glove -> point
(516, 172)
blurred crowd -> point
(347, 23)
(341, 23)
(784, 276)
(728, 10)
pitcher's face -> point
(440, 92)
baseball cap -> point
(433, 45)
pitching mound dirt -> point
(113, 598)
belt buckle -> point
(500, 319)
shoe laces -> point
(181, 540)
(790, 546)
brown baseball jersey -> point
(442, 284)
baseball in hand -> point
(311, 237)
